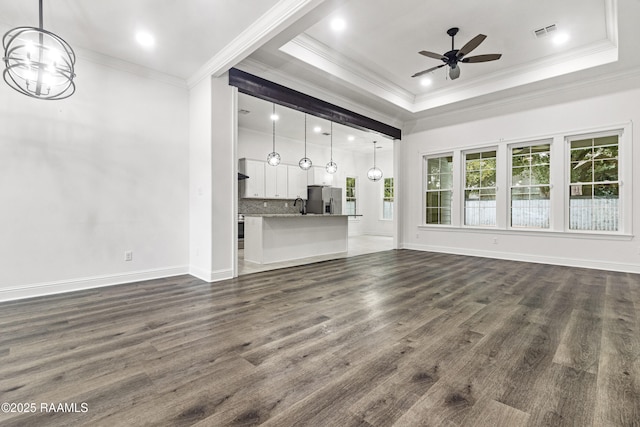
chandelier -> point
(38, 63)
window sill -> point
(528, 232)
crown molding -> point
(606, 82)
(279, 17)
(319, 55)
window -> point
(530, 186)
(594, 184)
(350, 189)
(439, 188)
(387, 199)
(480, 189)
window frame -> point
(384, 199)
(355, 192)
(624, 225)
(463, 184)
(509, 177)
(425, 174)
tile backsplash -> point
(274, 206)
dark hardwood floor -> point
(399, 338)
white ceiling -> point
(188, 32)
(365, 68)
(378, 51)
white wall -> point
(611, 110)
(85, 179)
(256, 145)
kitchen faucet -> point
(303, 206)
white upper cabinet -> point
(252, 187)
(297, 183)
(276, 181)
(317, 175)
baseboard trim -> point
(568, 262)
(211, 276)
(64, 286)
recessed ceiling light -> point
(426, 81)
(317, 129)
(274, 117)
(351, 138)
(560, 38)
(145, 39)
(338, 24)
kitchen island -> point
(270, 238)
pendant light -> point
(305, 162)
(274, 158)
(38, 63)
(331, 166)
(374, 174)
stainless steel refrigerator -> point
(324, 200)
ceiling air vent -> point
(541, 32)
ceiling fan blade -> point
(471, 44)
(433, 55)
(428, 71)
(454, 72)
(482, 58)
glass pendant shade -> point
(305, 162)
(274, 158)
(374, 174)
(332, 167)
(38, 63)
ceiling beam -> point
(281, 95)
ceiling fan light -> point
(454, 72)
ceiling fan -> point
(454, 56)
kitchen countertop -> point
(293, 215)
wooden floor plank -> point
(401, 338)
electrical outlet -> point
(417, 236)
(286, 204)
(495, 240)
(265, 204)
(128, 256)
